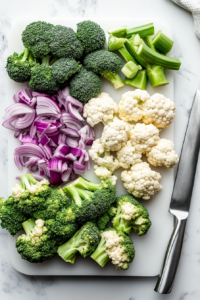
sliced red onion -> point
(25, 96)
(52, 144)
(55, 178)
(74, 112)
(61, 139)
(31, 162)
(69, 121)
(55, 165)
(47, 150)
(36, 176)
(27, 139)
(47, 103)
(43, 167)
(76, 151)
(29, 150)
(64, 167)
(70, 157)
(18, 162)
(70, 132)
(72, 142)
(44, 140)
(78, 168)
(66, 174)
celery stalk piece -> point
(156, 75)
(115, 43)
(132, 49)
(113, 78)
(150, 43)
(130, 69)
(155, 58)
(139, 81)
(118, 31)
(143, 31)
(126, 55)
(162, 42)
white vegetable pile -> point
(130, 141)
(52, 135)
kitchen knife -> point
(181, 198)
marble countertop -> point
(14, 285)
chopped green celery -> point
(115, 43)
(162, 42)
(139, 81)
(28, 225)
(126, 55)
(118, 31)
(154, 58)
(156, 75)
(130, 69)
(150, 43)
(143, 31)
(132, 48)
(113, 78)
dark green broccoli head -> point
(10, 215)
(64, 68)
(37, 37)
(91, 35)
(112, 211)
(131, 214)
(19, 66)
(84, 241)
(52, 204)
(118, 242)
(85, 85)
(36, 245)
(65, 43)
(102, 61)
(42, 80)
(31, 204)
(61, 227)
(102, 221)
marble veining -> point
(14, 285)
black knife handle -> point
(166, 278)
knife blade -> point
(181, 198)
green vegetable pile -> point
(57, 56)
(72, 220)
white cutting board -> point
(150, 248)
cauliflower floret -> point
(141, 181)
(144, 137)
(159, 111)
(130, 107)
(102, 157)
(115, 135)
(114, 249)
(39, 186)
(127, 156)
(100, 109)
(163, 154)
(128, 210)
(18, 192)
(36, 233)
(103, 173)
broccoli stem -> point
(84, 194)
(133, 51)
(155, 58)
(126, 55)
(156, 75)
(143, 30)
(73, 193)
(118, 31)
(100, 255)
(113, 78)
(28, 225)
(24, 182)
(46, 61)
(162, 42)
(139, 81)
(69, 250)
(130, 69)
(31, 178)
(115, 43)
(120, 223)
(24, 54)
(82, 183)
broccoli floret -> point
(85, 85)
(42, 79)
(88, 202)
(112, 211)
(19, 66)
(10, 215)
(91, 35)
(84, 241)
(131, 214)
(52, 204)
(36, 245)
(105, 63)
(65, 43)
(37, 37)
(64, 68)
(102, 221)
(115, 246)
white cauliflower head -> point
(144, 137)
(102, 157)
(18, 192)
(141, 181)
(100, 109)
(159, 111)
(115, 135)
(130, 107)
(103, 173)
(127, 156)
(163, 154)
